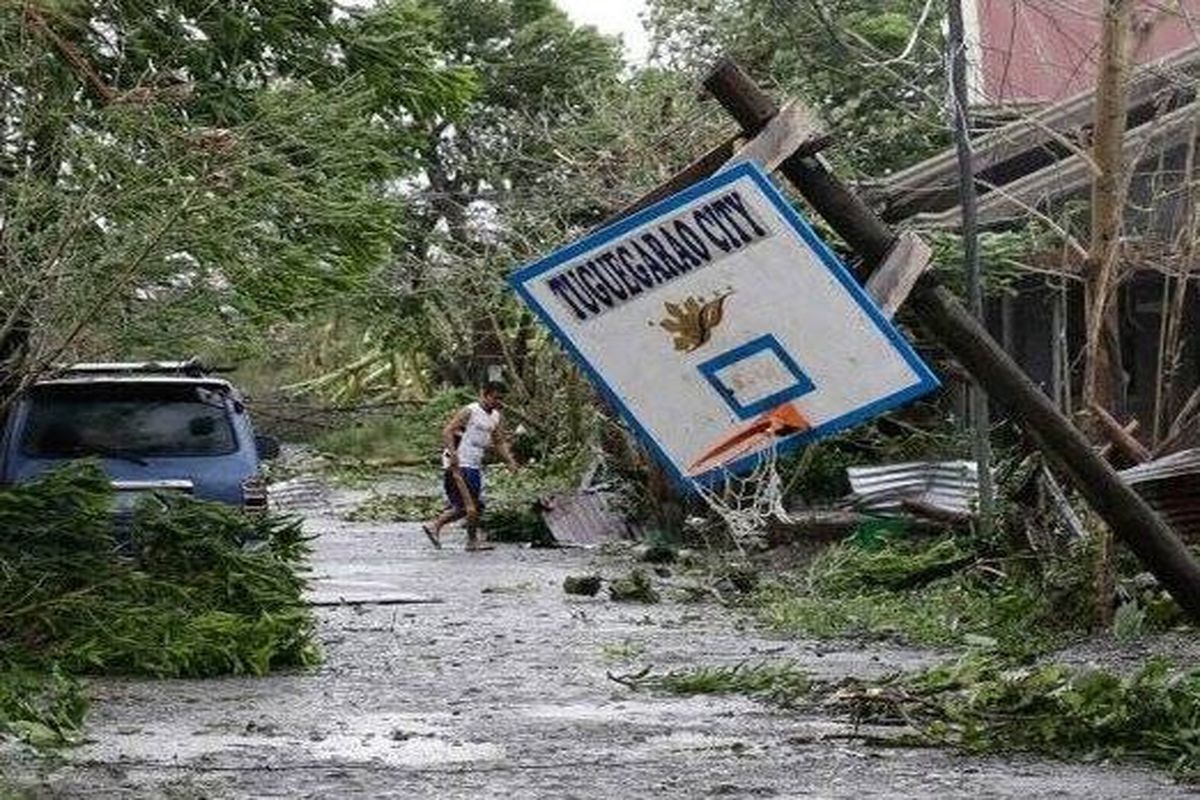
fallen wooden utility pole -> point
(1129, 517)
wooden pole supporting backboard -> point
(940, 312)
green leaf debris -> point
(199, 590)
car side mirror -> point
(267, 446)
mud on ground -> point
(472, 675)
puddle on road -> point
(660, 712)
(420, 751)
(688, 741)
(393, 740)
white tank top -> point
(477, 436)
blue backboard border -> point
(926, 380)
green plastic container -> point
(874, 533)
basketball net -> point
(747, 503)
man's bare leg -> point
(448, 516)
(434, 529)
(472, 531)
(475, 538)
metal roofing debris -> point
(949, 485)
(583, 518)
(1185, 463)
(1033, 146)
(1172, 486)
(1071, 174)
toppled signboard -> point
(722, 328)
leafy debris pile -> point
(586, 585)
(636, 587)
(942, 592)
(980, 705)
(43, 708)
(513, 523)
(200, 590)
(782, 683)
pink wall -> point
(1039, 51)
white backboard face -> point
(721, 327)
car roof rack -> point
(192, 368)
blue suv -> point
(153, 426)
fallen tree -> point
(199, 590)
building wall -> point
(1034, 52)
(1027, 329)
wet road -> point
(477, 677)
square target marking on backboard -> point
(756, 377)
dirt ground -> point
(472, 675)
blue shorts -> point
(473, 478)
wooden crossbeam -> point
(1121, 436)
(889, 285)
(795, 129)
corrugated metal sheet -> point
(1000, 153)
(950, 485)
(1172, 486)
(583, 518)
(1071, 174)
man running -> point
(467, 436)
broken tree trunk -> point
(1154, 543)
(1106, 449)
(1102, 385)
(944, 516)
(1102, 353)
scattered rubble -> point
(587, 585)
(634, 588)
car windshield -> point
(128, 421)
